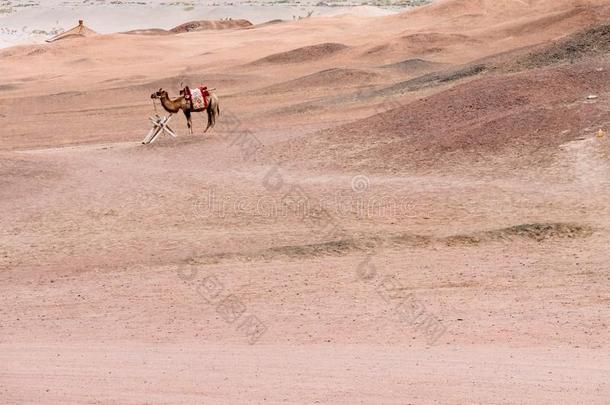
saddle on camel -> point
(198, 98)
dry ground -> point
(476, 197)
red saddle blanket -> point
(198, 97)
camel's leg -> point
(189, 120)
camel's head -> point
(159, 94)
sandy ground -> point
(397, 264)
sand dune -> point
(325, 79)
(303, 54)
(414, 65)
(521, 114)
(454, 159)
(210, 25)
(586, 43)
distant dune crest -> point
(194, 26)
(210, 25)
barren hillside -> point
(410, 208)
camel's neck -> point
(171, 106)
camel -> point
(180, 103)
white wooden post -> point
(160, 125)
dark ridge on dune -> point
(149, 31)
(436, 38)
(414, 65)
(419, 44)
(328, 78)
(471, 70)
(7, 87)
(420, 49)
(433, 79)
(306, 53)
(523, 117)
(535, 231)
(366, 89)
(589, 42)
(563, 21)
(539, 232)
(210, 25)
(194, 26)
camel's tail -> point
(213, 111)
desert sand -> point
(401, 209)
(27, 21)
